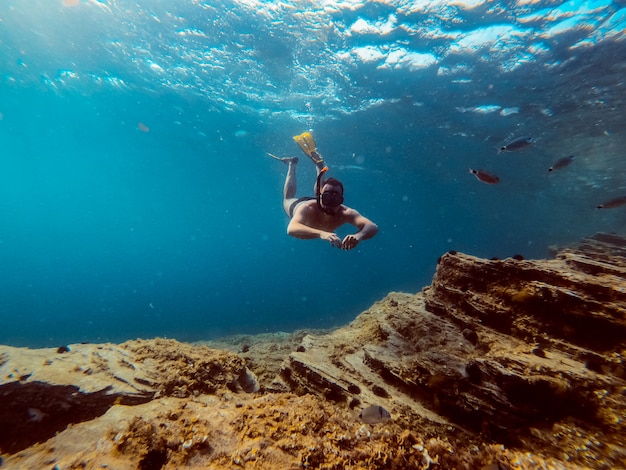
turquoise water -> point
(136, 197)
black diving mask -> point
(332, 198)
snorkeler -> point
(320, 216)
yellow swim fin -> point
(307, 144)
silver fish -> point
(562, 163)
(349, 167)
(516, 144)
(374, 414)
(611, 203)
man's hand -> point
(349, 242)
(332, 238)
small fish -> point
(35, 415)
(516, 144)
(374, 414)
(611, 203)
(562, 163)
(484, 176)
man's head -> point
(331, 193)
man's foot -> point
(317, 159)
(286, 160)
(289, 160)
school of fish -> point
(520, 143)
(514, 145)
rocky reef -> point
(499, 364)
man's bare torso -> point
(309, 213)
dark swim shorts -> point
(298, 201)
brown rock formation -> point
(525, 353)
(499, 364)
(43, 391)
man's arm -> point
(367, 229)
(298, 229)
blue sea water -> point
(137, 199)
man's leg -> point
(289, 191)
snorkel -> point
(318, 192)
(332, 198)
